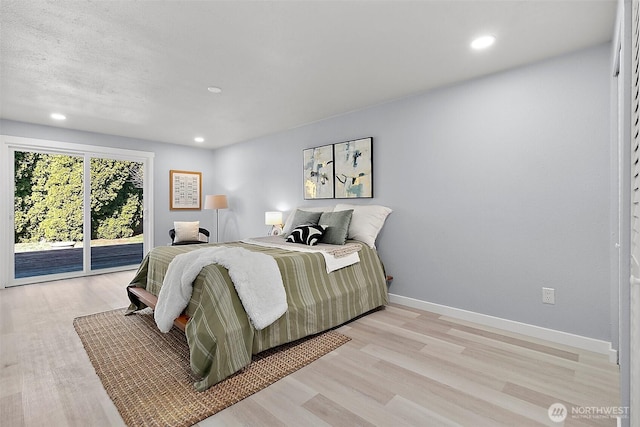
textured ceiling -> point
(141, 68)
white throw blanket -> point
(335, 256)
(255, 276)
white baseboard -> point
(552, 335)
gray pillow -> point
(304, 218)
(338, 226)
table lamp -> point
(274, 219)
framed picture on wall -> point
(185, 190)
(353, 162)
(318, 172)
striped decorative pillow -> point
(307, 234)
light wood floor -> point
(402, 367)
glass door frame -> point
(11, 144)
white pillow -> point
(366, 221)
(288, 224)
(186, 231)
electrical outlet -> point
(548, 295)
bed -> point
(221, 337)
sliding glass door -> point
(75, 212)
(48, 203)
(116, 213)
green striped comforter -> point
(220, 336)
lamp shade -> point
(273, 218)
(219, 201)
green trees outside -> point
(116, 199)
(49, 196)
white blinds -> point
(635, 146)
(635, 216)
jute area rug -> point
(146, 373)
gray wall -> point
(167, 157)
(499, 186)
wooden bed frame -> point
(150, 300)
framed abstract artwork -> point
(353, 163)
(318, 172)
(185, 189)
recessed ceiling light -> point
(58, 116)
(198, 139)
(483, 42)
(214, 89)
